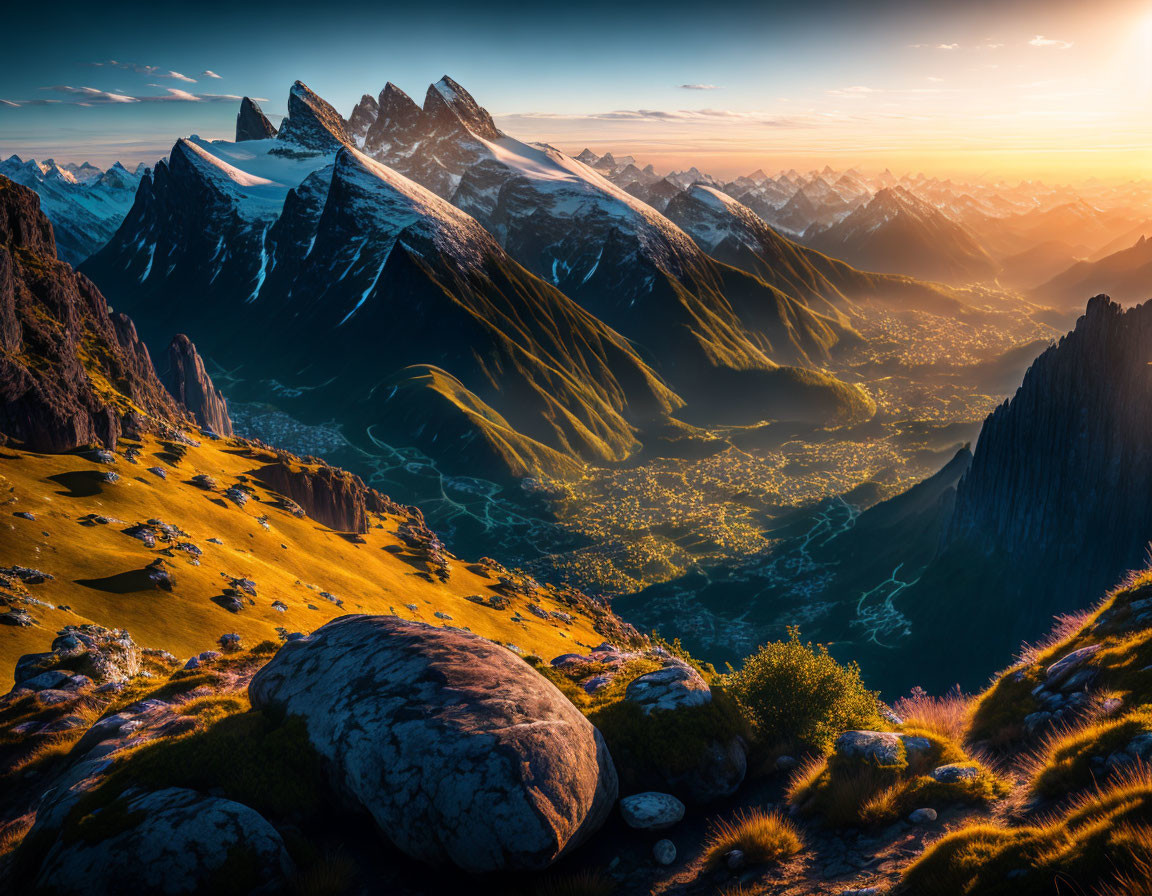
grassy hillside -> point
(100, 574)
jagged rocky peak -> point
(1061, 472)
(312, 123)
(448, 105)
(362, 118)
(188, 382)
(396, 122)
(252, 123)
(587, 157)
(58, 340)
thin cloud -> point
(91, 96)
(856, 92)
(207, 73)
(699, 87)
(9, 103)
(151, 70)
(1041, 41)
(680, 115)
(935, 46)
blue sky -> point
(825, 80)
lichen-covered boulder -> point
(170, 842)
(104, 655)
(459, 749)
(674, 686)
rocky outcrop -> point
(312, 123)
(675, 686)
(1060, 473)
(334, 497)
(458, 749)
(172, 842)
(252, 123)
(362, 118)
(70, 374)
(103, 655)
(188, 382)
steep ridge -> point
(733, 233)
(358, 254)
(70, 374)
(612, 253)
(1126, 276)
(898, 233)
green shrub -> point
(795, 692)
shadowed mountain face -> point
(733, 233)
(898, 233)
(400, 315)
(1126, 276)
(71, 374)
(252, 123)
(1053, 510)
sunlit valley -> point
(447, 490)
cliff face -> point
(70, 373)
(189, 383)
(1062, 471)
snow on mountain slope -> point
(84, 204)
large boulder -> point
(460, 751)
(171, 842)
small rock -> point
(954, 773)
(664, 852)
(785, 763)
(651, 811)
(735, 860)
(922, 816)
(158, 471)
(24, 515)
(230, 642)
(881, 747)
(1064, 667)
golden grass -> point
(1063, 763)
(849, 792)
(1101, 840)
(762, 836)
(378, 575)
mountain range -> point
(86, 205)
(549, 318)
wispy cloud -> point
(9, 103)
(91, 96)
(207, 73)
(856, 92)
(151, 70)
(935, 46)
(678, 115)
(699, 87)
(1041, 41)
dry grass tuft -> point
(762, 836)
(580, 883)
(333, 874)
(945, 716)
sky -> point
(1052, 89)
